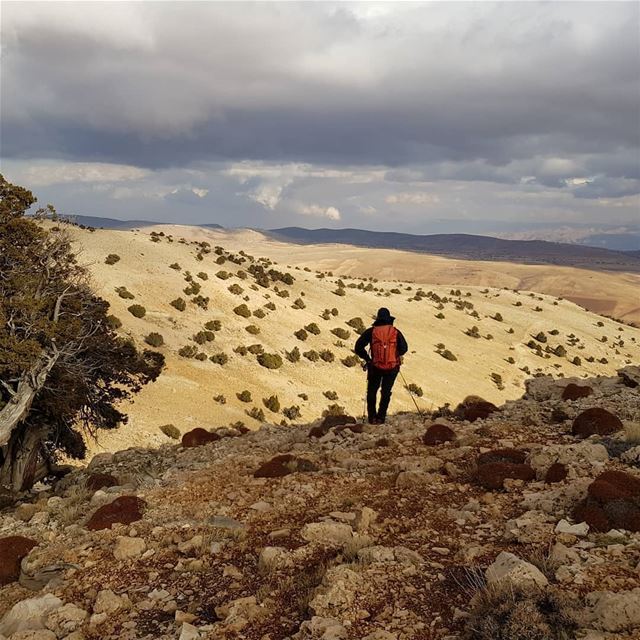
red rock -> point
(593, 514)
(613, 502)
(573, 392)
(333, 421)
(614, 485)
(557, 472)
(354, 428)
(437, 434)
(493, 474)
(596, 421)
(474, 408)
(198, 437)
(318, 431)
(283, 465)
(100, 480)
(514, 456)
(12, 550)
(123, 510)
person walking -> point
(387, 346)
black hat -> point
(384, 315)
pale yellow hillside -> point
(184, 393)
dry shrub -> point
(507, 612)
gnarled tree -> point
(63, 370)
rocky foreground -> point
(520, 522)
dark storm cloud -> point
(527, 94)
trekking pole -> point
(411, 394)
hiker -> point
(383, 365)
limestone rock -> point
(129, 548)
(508, 566)
(29, 614)
(66, 619)
(614, 611)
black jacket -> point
(365, 340)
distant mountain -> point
(470, 247)
(113, 223)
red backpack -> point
(384, 347)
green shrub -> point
(201, 302)
(447, 355)
(188, 351)
(192, 290)
(333, 410)
(326, 314)
(327, 355)
(175, 266)
(497, 379)
(293, 355)
(301, 334)
(341, 333)
(298, 304)
(339, 292)
(154, 339)
(303, 396)
(241, 350)
(219, 358)
(271, 306)
(123, 293)
(330, 395)
(272, 403)
(203, 276)
(255, 349)
(311, 355)
(112, 258)
(414, 389)
(577, 361)
(511, 360)
(252, 329)
(171, 431)
(357, 325)
(560, 351)
(334, 312)
(223, 275)
(204, 336)
(113, 322)
(213, 325)
(498, 317)
(259, 313)
(350, 361)
(474, 332)
(292, 413)
(201, 356)
(242, 310)
(179, 304)
(313, 328)
(283, 293)
(244, 396)
(440, 316)
(137, 310)
(256, 414)
(235, 288)
(540, 337)
(220, 399)
(270, 360)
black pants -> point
(377, 379)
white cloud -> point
(416, 197)
(317, 210)
(41, 174)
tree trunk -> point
(22, 461)
(16, 410)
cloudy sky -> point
(373, 115)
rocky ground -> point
(519, 522)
